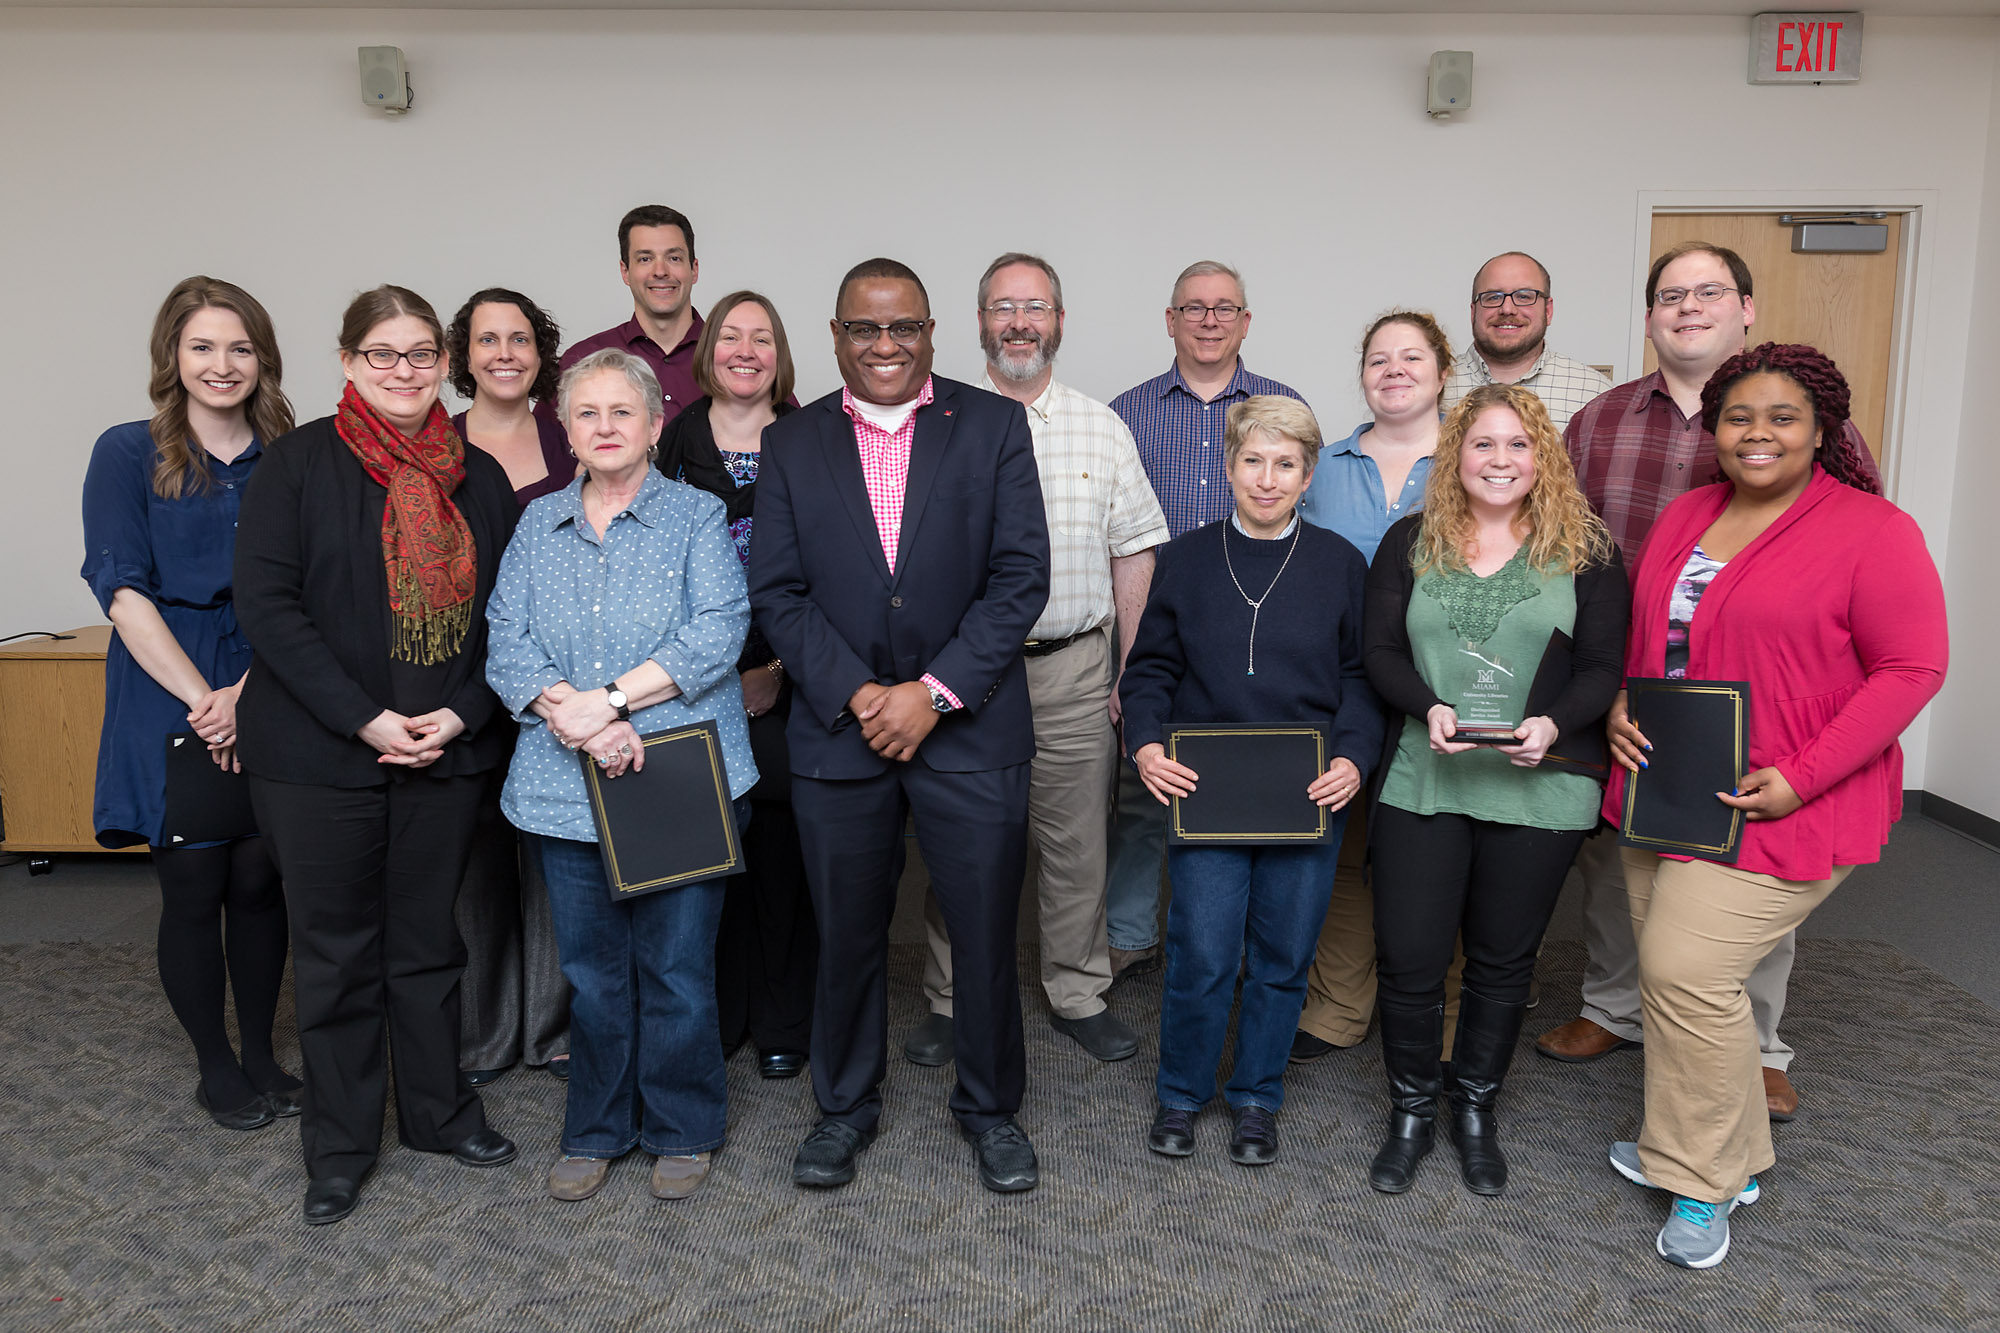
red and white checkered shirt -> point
(885, 469)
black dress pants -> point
(1445, 877)
(767, 949)
(371, 874)
(972, 829)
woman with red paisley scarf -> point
(365, 551)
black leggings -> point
(201, 946)
(1439, 878)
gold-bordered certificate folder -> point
(1699, 731)
(671, 822)
(1251, 788)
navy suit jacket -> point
(971, 579)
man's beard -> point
(1002, 363)
(1494, 352)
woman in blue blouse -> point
(1363, 484)
(159, 520)
(627, 579)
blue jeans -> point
(1259, 908)
(1132, 874)
(645, 1050)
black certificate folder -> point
(671, 822)
(1699, 730)
(205, 802)
(1251, 784)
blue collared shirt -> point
(664, 585)
(1180, 442)
(1346, 493)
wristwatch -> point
(619, 703)
(938, 701)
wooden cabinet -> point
(51, 710)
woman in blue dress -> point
(159, 521)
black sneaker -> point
(1255, 1142)
(1006, 1158)
(1172, 1134)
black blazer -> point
(313, 601)
(971, 579)
(1597, 662)
(688, 453)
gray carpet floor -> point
(125, 1209)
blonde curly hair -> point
(1563, 533)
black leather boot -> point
(1411, 1041)
(1487, 1032)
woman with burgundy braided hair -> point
(1795, 575)
(365, 552)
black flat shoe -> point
(330, 1200)
(487, 1147)
(284, 1105)
(1255, 1140)
(253, 1114)
(826, 1158)
(1307, 1048)
(559, 1066)
(1172, 1134)
(780, 1064)
(1006, 1158)
(479, 1078)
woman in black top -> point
(767, 951)
(365, 552)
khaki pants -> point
(1069, 802)
(1611, 971)
(1702, 929)
(1340, 987)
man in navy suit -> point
(900, 558)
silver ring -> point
(625, 749)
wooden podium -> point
(51, 710)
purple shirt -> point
(675, 369)
(555, 455)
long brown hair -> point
(179, 463)
(1564, 534)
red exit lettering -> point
(1817, 48)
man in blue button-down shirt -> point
(1177, 420)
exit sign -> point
(1805, 48)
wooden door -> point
(1845, 305)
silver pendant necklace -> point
(1256, 603)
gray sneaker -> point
(1625, 1161)
(1696, 1234)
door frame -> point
(1902, 412)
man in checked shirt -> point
(1176, 421)
(1103, 525)
(1637, 448)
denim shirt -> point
(664, 585)
(1346, 494)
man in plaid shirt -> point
(1512, 308)
(1637, 448)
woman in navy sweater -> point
(1256, 618)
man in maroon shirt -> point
(1637, 448)
(656, 260)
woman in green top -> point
(1473, 830)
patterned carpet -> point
(125, 1209)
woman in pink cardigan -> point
(1792, 574)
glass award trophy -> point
(1487, 692)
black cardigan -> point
(312, 598)
(688, 453)
(1597, 661)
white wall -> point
(146, 145)
(1964, 761)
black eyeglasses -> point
(863, 333)
(1707, 294)
(1194, 312)
(422, 358)
(1524, 298)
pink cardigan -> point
(1835, 616)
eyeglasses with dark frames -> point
(383, 358)
(864, 333)
(1524, 298)
(1194, 312)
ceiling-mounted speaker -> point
(1450, 85)
(385, 79)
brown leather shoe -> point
(678, 1177)
(1779, 1095)
(1579, 1041)
(573, 1179)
